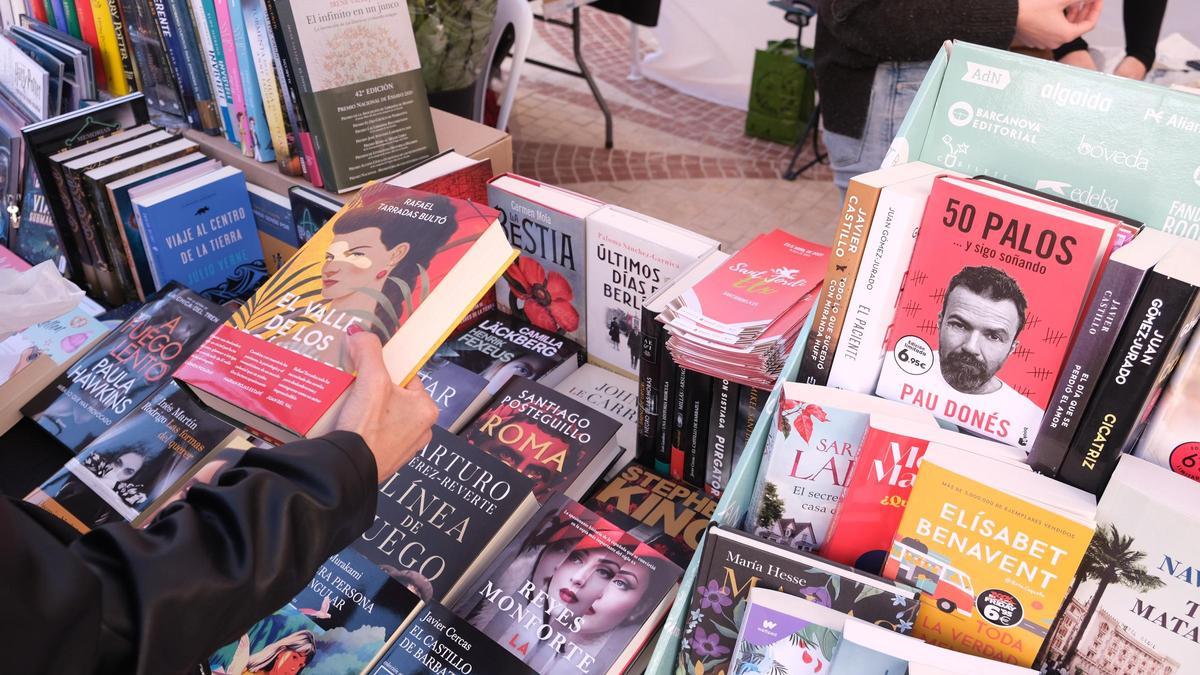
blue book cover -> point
(60, 15)
(37, 239)
(202, 235)
(260, 134)
(452, 387)
(273, 217)
(193, 62)
(220, 74)
(172, 40)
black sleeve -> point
(914, 30)
(1075, 45)
(160, 600)
(1143, 21)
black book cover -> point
(309, 211)
(439, 643)
(125, 368)
(546, 435)
(439, 513)
(128, 69)
(750, 403)
(72, 130)
(155, 78)
(289, 94)
(1145, 354)
(649, 386)
(668, 374)
(668, 515)
(698, 399)
(722, 420)
(452, 388)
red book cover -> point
(989, 306)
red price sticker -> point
(1185, 460)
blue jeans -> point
(892, 93)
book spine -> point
(209, 41)
(114, 238)
(152, 63)
(87, 32)
(844, 259)
(648, 388)
(258, 134)
(109, 279)
(189, 50)
(258, 37)
(1149, 344)
(237, 107)
(291, 100)
(722, 417)
(59, 14)
(1102, 325)
(120, 39)
(39, 11)
(886, 254)
(695, 440)
(750, 405)
(108, 51)
(666, 411)
(680, 381)
(70, 17)
(74, 241)
(174, 51)
(295, 55)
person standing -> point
(1143, 23)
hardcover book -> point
(980, 336)
(611, 393)
(668, 515)
(1133, 603)
(438, 642)
(404, 264)
(445, 515)
(276, 231)
(733, 564)
(1116, 291)
(722, 423)
(993, 547)
(781, 633)
(547, 285)
(810, 456)
(341, 622)
(1155, 333)
(360, 85)
(630, 256)
(125, 368)
(562, 444)
(572, 592)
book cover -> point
(70, 500)
(785, 634)
(124, 52)
(443, 514)
(866, 649)
(749, 405)
(1114, 296)
(810, 456)
(682, 378)
(202, 234)
(170, 32)
(438, 642)
(37, 239)
(107, 48)
(572, 592)
(125, 368)
(1133, 603)
(457, 391)
(401, 263)
(630, 256)
(341, 622)
(547, 285)
(733, 564)
(668, 515)
(652, 376)
(184, 29)
(722, 419)
(360, 84)
(562, 444)
(611, 393)
(310, 210)
(286, 77)
(980, 336)
(993, 567)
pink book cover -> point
(241, 121)
(10, 261)
(759, 283)
(988, 308)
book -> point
(401, 263)
(629, 257)
(208, 32)
(562, 444)
(202, 234)
(993, 547)
(888, 464)
(781, 633)
(448, 173)
(288, 157)
(310, 210)
(722, 421)
(733, 563)
(276, 231)
(751, 402)
(467, 370)
(1172, 438)
(1150, 344)
(668, 515)
(256, 133)
(1131, 604)
(1116, 292)
(237, 97)
(810, 456)
(343, 621)
(176, 29)
(360, 86)
(31, 359)
(697, 399)
(611, 393)
(292, 107)
(108, 48)
(547, 285)
(438, 642)
(445, 515)
(572, 592)
(125, 368)
(849, 244)
(866, 649)
(142, 460)
(857, 357)
(980, 336)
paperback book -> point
(782, 633)
(438, 642)
(276, 230)
(1172, 436)
(611, 393)
(866, 649)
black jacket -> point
(160, 600)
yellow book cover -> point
(110, 52)
(993, 568)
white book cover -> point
(867, 649)
(612, 394)
(630, 256)
(1172, 438)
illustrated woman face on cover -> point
(286, 656)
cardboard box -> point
(1116, 144)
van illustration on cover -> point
(911, 561)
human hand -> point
(1049, 24)
(394, 421)
(1080, 58)
(1132, 68)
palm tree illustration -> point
(1110, 559)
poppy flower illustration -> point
(708, 644)
(547, 297)
(714, 595)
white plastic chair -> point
(519, 15)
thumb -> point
(366, 353)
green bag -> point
(782, 92)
